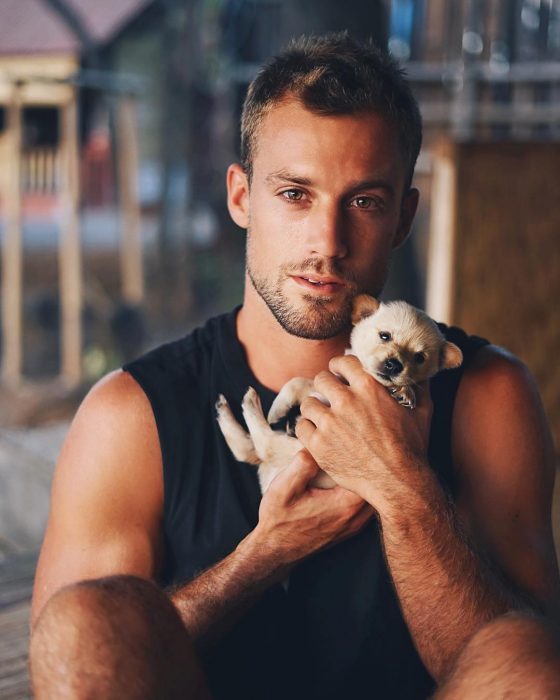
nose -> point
(392, 366)
(326, 235)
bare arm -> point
(294, 521)
(502, 443)
(107, 491)
(107, 505)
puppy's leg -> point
(291, 394)
(239, 442)
(260, 431)
(405, 396)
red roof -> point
(32, 26)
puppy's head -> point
(398, 344)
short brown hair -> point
(334, 74)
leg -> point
(260, 431)
(291, 394)
(239, 442)
(516, 656)
(112, 638)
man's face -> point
(324, 210)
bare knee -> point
(516, 656)
(95, 637)
(521, 635)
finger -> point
(348, 367)
(304, 431)
(313, 409)
(330, 386)
(297, 475)
(343, 498)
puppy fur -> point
(397, 344)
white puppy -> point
(399, 345)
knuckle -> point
(321, 377)
(304, 460)
(365, 381)
(335, 361)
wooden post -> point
(440, 279)
(127, 166)
(12, 277)
(70, 269)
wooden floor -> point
(16, 581)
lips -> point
(323, 285)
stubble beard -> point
(316, 319)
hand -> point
(364, 440)
(296, 520)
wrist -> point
(267, 562)
(408, 493)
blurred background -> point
(117, 122)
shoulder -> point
(114, 419)
(501, 440)
(117, 398)
(496, 381)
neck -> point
(274, 355)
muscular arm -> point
(502, 448)
(107, 491)
(294, 521)
(107, 505)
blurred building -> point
(486, 254)
(486, 73)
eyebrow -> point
(284, 176)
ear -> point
(238, 195)
(409, 205)
(451, 356)
(363, 306)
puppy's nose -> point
(392, 366)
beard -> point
(317, 318)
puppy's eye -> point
(384, 336)
(419, 357)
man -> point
(441, 518)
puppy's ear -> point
(363, 306)
(451, 356)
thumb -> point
(299, 472)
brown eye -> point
(385, 336)
(419, 357)
(293, 195)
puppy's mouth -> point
(387, 380)
(384, 378)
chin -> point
(313, 319)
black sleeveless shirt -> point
(337, 631)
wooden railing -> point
(40, 170)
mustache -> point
(325, 268)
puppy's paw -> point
(223, 411)
(290, 395)
(405, 396)
(251, 401)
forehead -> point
(340, 147)
(407, 326)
